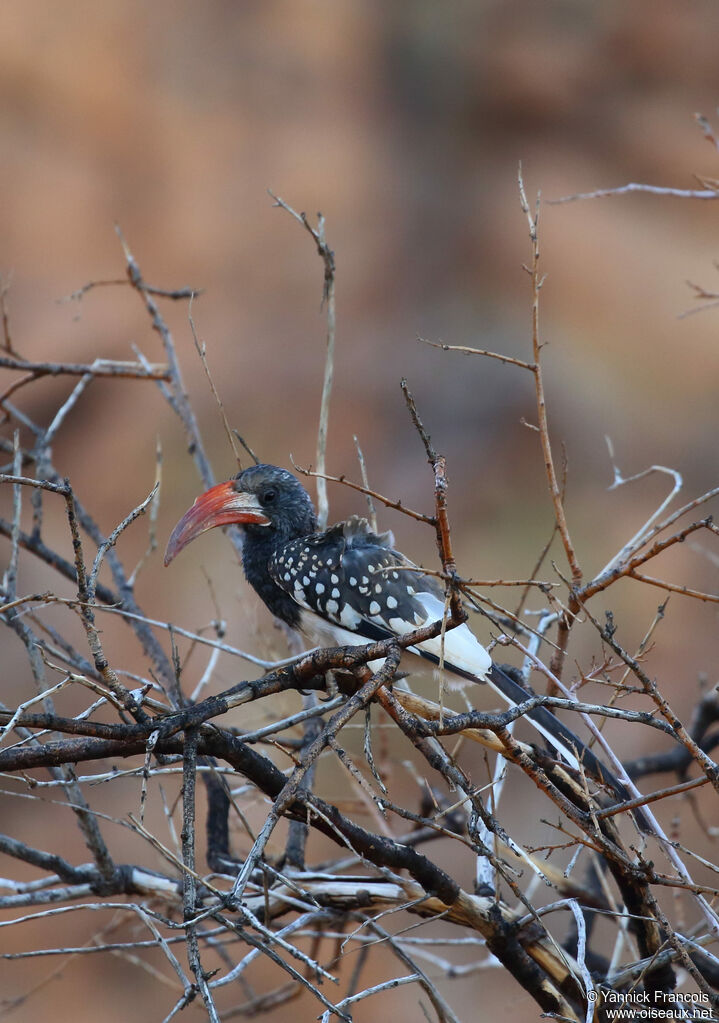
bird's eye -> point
(269, 496)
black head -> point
(269, 502)
(282, 499)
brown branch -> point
(98, 368)
(201, 350)
(174, 392)
(555, 489)
(387, 501)
(707, 765)
(479, 351)
(566, 620)
(5, 316)
(328, 297)
(652, 797)
(173, 293)
(441, 518)
(365, 483)
(712, 598)
(189, 877)
(627, 567)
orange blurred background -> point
(404, 124)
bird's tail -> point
(561, 738)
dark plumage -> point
(288, 507)
(348, 585)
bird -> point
(348, 586)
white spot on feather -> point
(349, 617)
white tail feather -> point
(460, 648)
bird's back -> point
(355, 580)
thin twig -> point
(328, 297)
(634, 186)
(478, 351)
(387, 501)
(201, 349)
(372, 511)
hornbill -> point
(349, 586)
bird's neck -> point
(257, 550)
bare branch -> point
(328, 297)
(676, 193)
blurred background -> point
(404, 124)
